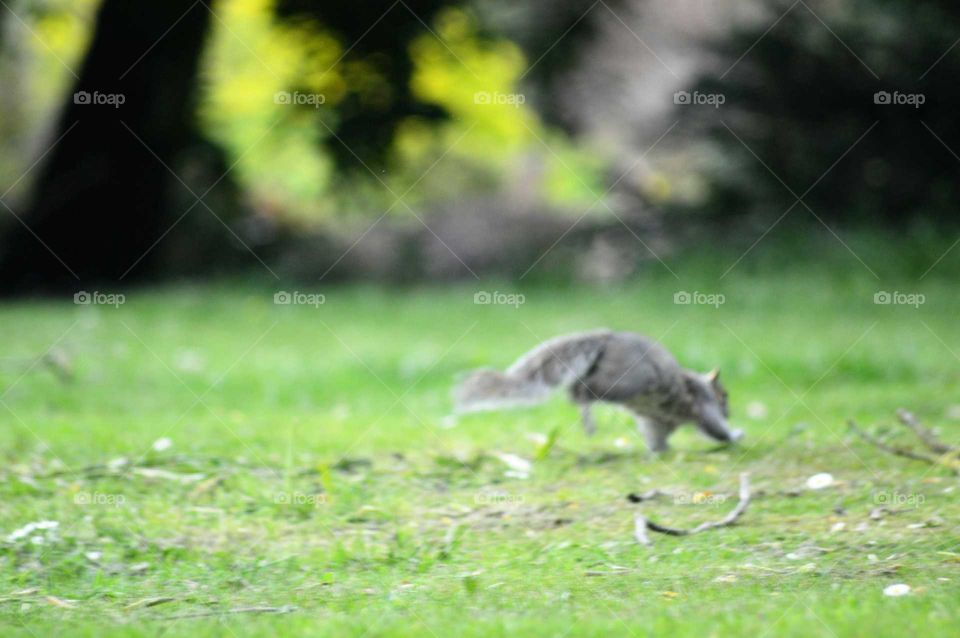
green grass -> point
(315, 467)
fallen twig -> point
(897, 451)
(649, 495)
(929, 438)
(286, 609)
(946, 459)
(153, 601)
(642, 525)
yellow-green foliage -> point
(279, 150)
(478, 83)
(42, 51)
(276, 149)
(56, 39)
(463, 74)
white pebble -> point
(757, 410)
(819, 481)
(896, 590)
(162, 444)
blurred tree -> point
(802, 94)
(293, 157)
(101, 200)
(106, 193)
(553, 35)
(377, 37)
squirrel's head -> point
(719, 392)
(710, 408)
(708, 393)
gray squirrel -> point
(622, 368)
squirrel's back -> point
(597, 365)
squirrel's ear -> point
(713, 375)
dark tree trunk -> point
(100, 202)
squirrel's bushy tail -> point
(554, 364)
(494, 390)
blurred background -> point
(426, 140)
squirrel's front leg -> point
(654, 433)
(586, 418)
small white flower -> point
(622, 443)
(94, 556)
(538, 437)
(819, 481)
(896, 590)
(17, 534)
(29, 528)
(163, 444)
(516, 463)
(757, 410)
(190, 361)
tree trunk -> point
(100, 202)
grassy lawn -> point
(315, 468)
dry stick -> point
(286, 609)
(929, 438)
(642, 525)
(897, 451)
